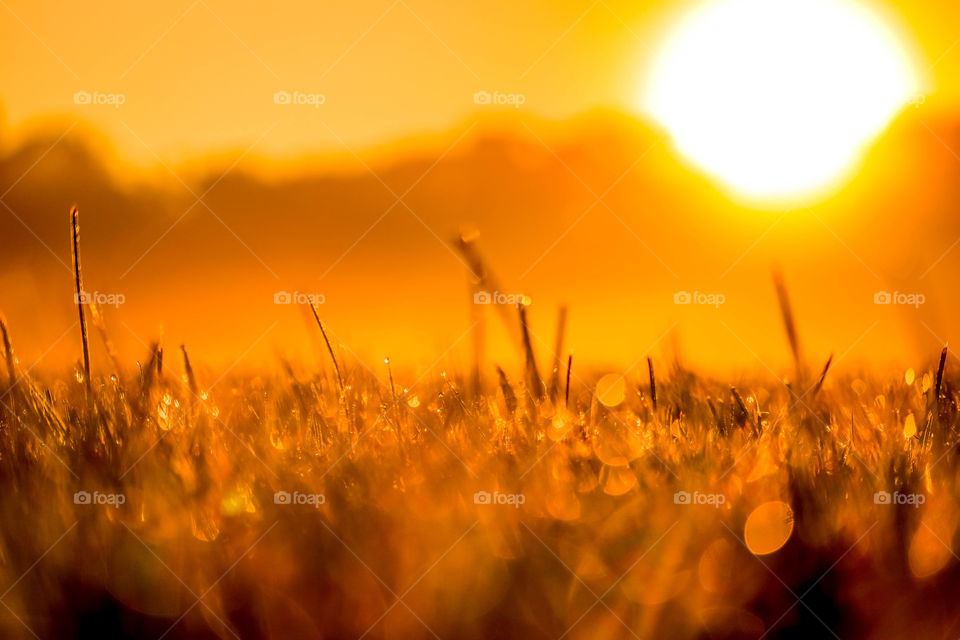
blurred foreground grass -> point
(279, 506)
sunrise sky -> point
(203, 191)
(199, 76)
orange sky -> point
(199, 76)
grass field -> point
(286, 506)
(333, 501)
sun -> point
(777, 99)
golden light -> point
(611, 390)
(768, 527)
(778, 98)
(929, 552)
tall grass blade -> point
(336, 367)
(557, 350)
(823, 375)
(943, 361)
(8, 354)
(653, 383)
(509, 397)
(786, 311)
(191, 377)
(81, 296)
(534, 381)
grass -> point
(199, 471)
(167, 502)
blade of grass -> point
(943, 361)
(786, 312)
(336, 367)
(557, 350)
(11, 369)
(534, 381)
(823, 375)
(509, 397)
(191, 378)
(653, 383)
(8, 354)
(81, 296)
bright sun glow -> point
(777, 98)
